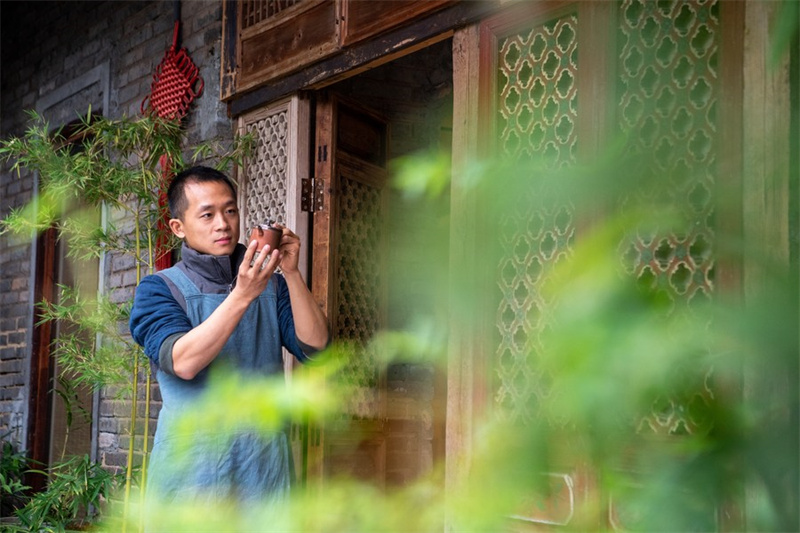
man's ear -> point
(176, 226)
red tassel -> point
(163, 255)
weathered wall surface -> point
(60, 58)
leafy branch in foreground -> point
(84, 320)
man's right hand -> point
(255, 271)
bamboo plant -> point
(116, 165)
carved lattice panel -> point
(537, 113)
(358, 293)
(538, 93)
(265, 190)
(668, 98)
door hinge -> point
(312, 195)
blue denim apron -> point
(250, 467)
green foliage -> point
(104, 163)
(263, 404)
(426, 175)
(114, 163)
(12, 467)
(85, 318)
(76, 489)
(114, 166)
(616, 353)
(787, 25)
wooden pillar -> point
(465, 343)
(766, 219)
(766, 122)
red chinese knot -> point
(173, 87)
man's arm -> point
(195, 350)
(311, 326)
(310, 323)
(156, 316)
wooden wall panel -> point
(366, 19)
(314, 43)
(290, 44)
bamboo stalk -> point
(135, 392)
(145, 451)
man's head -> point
(202, 202)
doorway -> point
(61, 410)
(392, 430)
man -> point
(222, 305)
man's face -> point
(210, 223)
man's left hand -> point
(290, 249)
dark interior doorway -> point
(414, 94)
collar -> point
(217, 269)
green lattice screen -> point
(537, 110)
(668, 97)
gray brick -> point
(129, 92)
(121, 295)
(16, 338)
(129, 279)
(115, 459)
(123, 262)
(14, 188)
(7, 380)
(208, 19)
(108, 425)
(9, 393)
(10, 366)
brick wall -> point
(45, 47)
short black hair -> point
(176, 195)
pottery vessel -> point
(266, 234)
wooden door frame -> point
(40, 401)
(297, 110)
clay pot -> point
(266, 234)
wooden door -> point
(61, 411)
(269, 189)
(42, 363)
(535, 56)
(348, 282)
(71, 429)
(556, 82)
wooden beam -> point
(729, 145)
